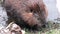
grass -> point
(53, 31)
(53, 28)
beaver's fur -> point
(31, 14)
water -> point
(58, 6)
(52, 9)
(3, 17)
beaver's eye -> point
(31, 9)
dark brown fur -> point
(27, 13)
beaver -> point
(31, 14)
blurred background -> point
(53, 12)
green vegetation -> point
(52, 28)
